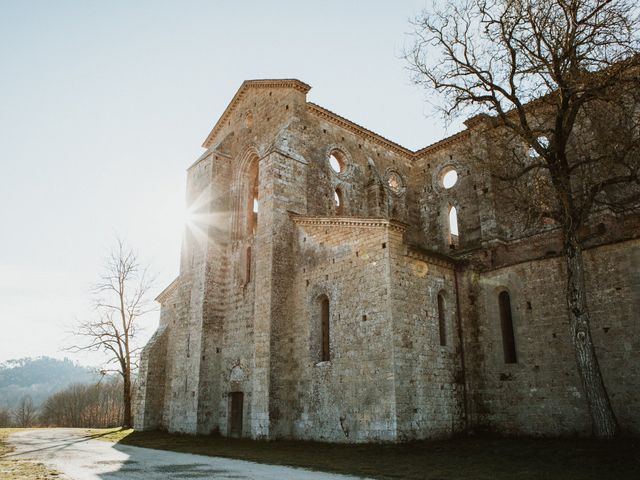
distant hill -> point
(39, 377)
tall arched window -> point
(337, 200)
(252, 198)
(453, 227)
(247, 271)
(442, 324)
(325, 328)
(506, 324)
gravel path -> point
(78, 457)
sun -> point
(189, 217)
(198, 220)
(195, 216)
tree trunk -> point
(603, 420)
(126, 391)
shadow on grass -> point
(480, 458)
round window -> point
(450, 178)
(394, 181)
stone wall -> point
(541, 394)
(244, 314)
(346, 260)
(148, 398)
(428, 368)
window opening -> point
(453, 227)
(544, 143)
(506, 324)
(336, 161)
(337, 200)
(442, 329)
(252, 200)
(449, 179)
(324, 315)
(247, 275)
(394, 182)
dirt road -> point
(79, 457)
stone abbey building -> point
(336, 286)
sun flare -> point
(198, 218)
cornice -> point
(336, 119)
(290, 155)
(207, 154)
(357, 222)
(440, 144)
(164, 294)
(358, 130)
(246, 85)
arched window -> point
(247, 271)
(442, 325)
(506, 324)
(252, 198)
(324, 319)
(337, 161)
(337, 199)
(453, 227)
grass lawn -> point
(13, 469)
(473, 458)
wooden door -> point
(237, 399)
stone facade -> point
(339, 305)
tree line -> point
(84, 405)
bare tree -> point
(120, 300)
(96, 405)
(5, 417)
(556, 82)
(25, 414)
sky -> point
(103, 106)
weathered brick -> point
(232, 322)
